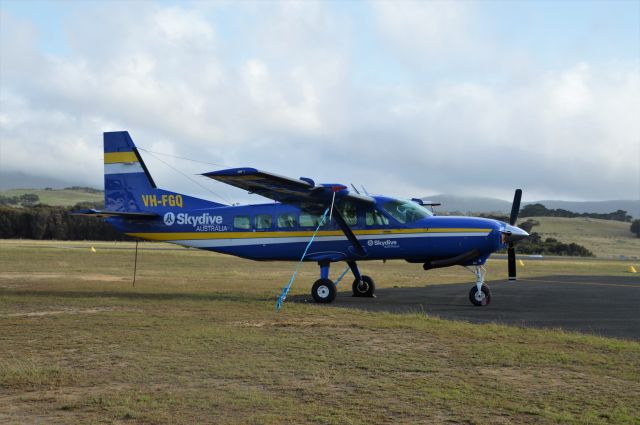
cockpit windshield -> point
(406, 211)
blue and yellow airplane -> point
(360, 228)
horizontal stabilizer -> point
(123, 214)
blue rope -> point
(285, 290)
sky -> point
(472, 98)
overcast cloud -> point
(406, 98)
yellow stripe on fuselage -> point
(173, 236)
(115, 157)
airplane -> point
(344, 225)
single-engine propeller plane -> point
(362, 227)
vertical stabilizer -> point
(128, 185)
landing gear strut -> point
(480, 295)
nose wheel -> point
(480, 297)
(480, 294)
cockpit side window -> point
(405, 211)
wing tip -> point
(231, 172)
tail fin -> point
(128, 185)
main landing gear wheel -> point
(364, 287)
(323, 291)
(480, 298)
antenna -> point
(354, 188)
(135, 264)
(365, 190)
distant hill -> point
(16, 179)
(605, 238)
(59, 197)
(452, 203)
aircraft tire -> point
(324, 291)
(480, 300)
(366, 288)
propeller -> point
(511, 251)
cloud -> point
(279, 94)
(426, 30)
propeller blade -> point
(511, 258)
(515, 207)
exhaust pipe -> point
(458, 260)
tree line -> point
(535, 244)
(539, 210)
(551, 246)
(49, 222)
(26, 200)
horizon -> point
(427, 197)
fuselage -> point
(390, 229)
(296, 226)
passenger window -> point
(263, 221)
(349, 212)
(309, 220)
(376, 218)
(287, 220)
(241, 222)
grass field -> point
(605, 238)
(59, 197)
(197, 340)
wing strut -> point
(349, 234)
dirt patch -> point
(44, 276)
(68, 311)
(281, 323)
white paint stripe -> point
(123, 168)
(215, 243)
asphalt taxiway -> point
(600, 305)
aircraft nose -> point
(513, 233)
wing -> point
(302, 192)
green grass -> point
(605, 238)
(58, 197)
(197, 340)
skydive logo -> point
(202, 223)
(387, 243)
(199, 220)
(169, 218)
